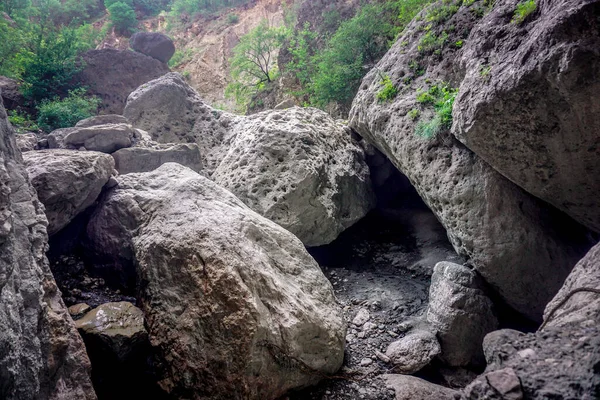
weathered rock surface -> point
(102, 120)
(522, 247)
(113, 74)
(413, 388)
(413, 352)
(300, 169)
(27, 142)
(12, 97)
(581, 306)
(67, 181)
(171, 111)
(535, 116)
(558, 363)
(247, 313)
(56, 138)
(114, 327)
(103, 138)
(461, 313)
(144, 159)
(153, 44)
(41, 354)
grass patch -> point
(431, 43)
(523, 10)
(441, 98)
(388, 92)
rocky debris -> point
(580, 294)
(153, 44)
(109, 119)
(113, 74)
(9, 91)
(558, 363)
(313, 179)
(413, 388)
(530, 117)
(171, 111)
(79, 310)
(247, 312)
(361, 317)
(521, 246)
(413, 352)
(289, 103)
(106, 138)
(144, 159)
(41, 354)
(117, 328)
(67, 182)
(27, 142)
(460, 312)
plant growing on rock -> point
(389, 91)
(431, 43)
(441, 98)
(523, 10)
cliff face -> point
(41, 354)
(523, 247)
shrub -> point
(233, 19)
(388, 92)
(523, 10)
(63, 113)
(122, 17)
(441, 97)
(430, 43)
(21, 122)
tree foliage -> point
(122, 17)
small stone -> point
(361, 335)
(79, 310)
(414, 351)
(382, 357)
(369, 326)
(361, 317)
(366, 361)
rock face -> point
(461, 313)
(11, 95)
(413, 388)
(246, 313)
(558, 363)
(67, 181)
(144, 159)
(27, 142)
(172, 112)
(578, 307)
(520, 245)
(153, 44)
(535, 117)
(413, 352)
(300, 169)
(41, 354)
(104, 138)
(113, 74)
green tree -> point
(122, 17)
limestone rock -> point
(9, 90)
(171, 111)
(106, 138)
(535, 117)
(413, 352)
(461, 313)
(413, 388)
(233, 302)
(153, 44)
(67, 181)
(79, 310)
(113, 74)
(41, 354)
(583, 306)
(300, 169)
(102, 120)
(521, 246)
(27, 142)
(144, 159)
(56, 138)
(114, 327)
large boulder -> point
(301, 169)
(521, 246)
(11, 95)
(154, 44)
(104, 138)
(113, 74)
(41, 354)
(233, 302)
(535, 116)
(145, 159)
(461, 312)
(171, 111)
(67, 181)
(413, 388)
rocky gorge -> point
(167, 249)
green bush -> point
(108, 3)
(523, 10)
(21, 122)
(122, 17)
(430, 43)
(233, 19)
(441, 97)
(388, 92)
(63, 113)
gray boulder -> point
(67, 181)
(41, 354)
(56, 138)
(300, 169)
(145, 159)
(532, 117)
(520, 245)
(413, 352)
(102, 120)
(153, 44)
(27, 142)
(246, 312)
(103, 138)
(413, 388)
